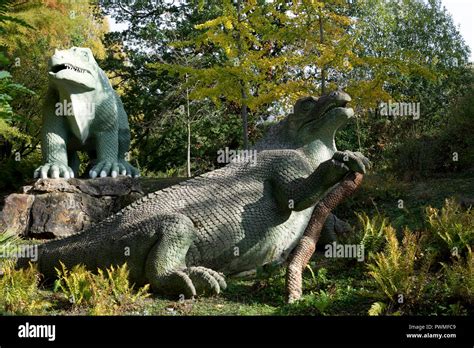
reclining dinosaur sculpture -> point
(185, 239)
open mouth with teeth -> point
(59, 67)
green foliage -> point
(377, 308)
(19, 293)
(75, 284)
(102, 293)
(9, 91)
(249, 39)
(459, 278)
(156, 102)
(443, 150)
(16, 172)
(409, 274)
(315, 303)
(8, 239)
(5, 8)
(451, 228)
(393, 270)
(372, 232)
(408, 51)
(114, 293)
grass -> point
(419, 264)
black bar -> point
(290, 331)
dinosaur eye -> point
(333, 94)
(85, 55)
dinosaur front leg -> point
(107, 152)
(299, 193)
(165, 267)
(53, 146)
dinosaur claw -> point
(114, 174)
(103, 174)
(93, 174)
(206, 281)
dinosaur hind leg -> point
(165, 266)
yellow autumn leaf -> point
(228, 24)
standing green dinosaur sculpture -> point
(185, 238)
(82, 112)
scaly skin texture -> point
(82, 112)
(300, 257)
(185, 238)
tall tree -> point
(266, 53)
(154, 99)
(406, 51)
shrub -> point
(431, 153)
(17, 173)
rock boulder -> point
(51, 208)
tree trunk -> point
(188, 124)
(244, 115)
(323, 70)
(188, 161)
(244, 109)
(307, 244)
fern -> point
(452, 228)
(104, 293)
(393, 269)
(459, 277)
(19, 293)
(377, 308)
(372, 235)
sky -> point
(461, 11)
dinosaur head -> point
(319, 118)
(75, 75)
(74, 68)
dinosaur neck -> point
(319, 151)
